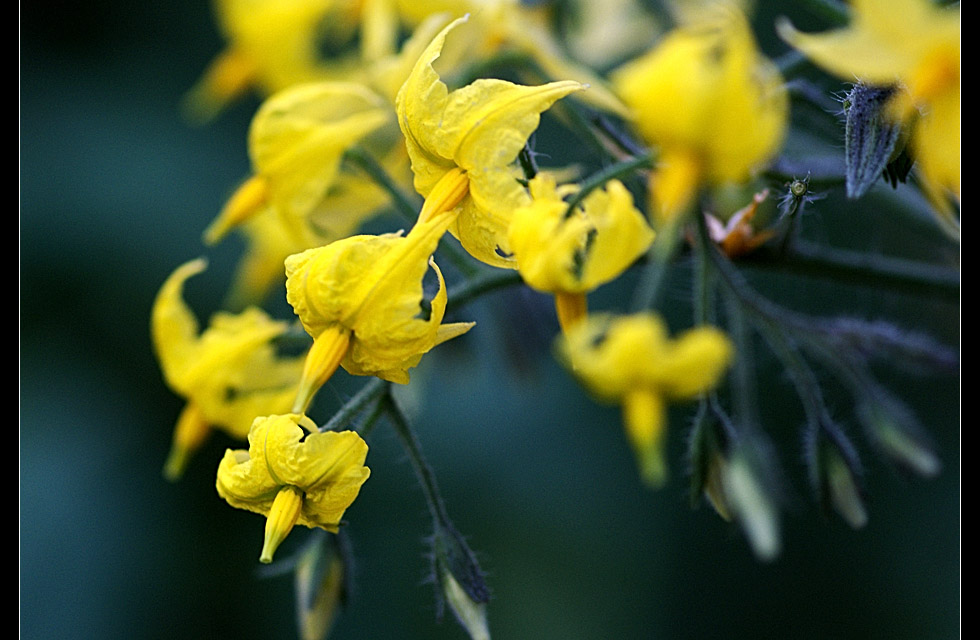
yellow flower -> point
(913, 44)
(716, 108)
(571, 256)
(478, 129)
(270, 238)
(272, 44)
(360, 298)
(229, 374)
(296, 143)
(499, 26)
(293, 477)
(631, 360)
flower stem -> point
(658, 261)
(484, 282)
(603, 176)
(371, 392)
(423, 472)
(407, 207)
(864, 269)
(830, 10)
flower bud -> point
(460, 581)
(753, 505)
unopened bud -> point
(895, 432)
(840, 486)
(753, 506)
(870, 137)
(460, 581)
(320, 578)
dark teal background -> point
(115, 191)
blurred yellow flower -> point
(361, 299)
(296, 143)
(229, 374)
(712, 104)
(631, 360)
(293, 477)
(570, 256)
(915, 45)
(478, 129)
(272, 44)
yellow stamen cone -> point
(189, 434)
(571, 308)
(643, 412)
(446, 195)
(674, 184)
(282, 517)
(243, 204)
(328, 349)
(228, 76)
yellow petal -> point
(372, 286)
(884, 43)
(693, 363)
(600, 240)
(419, 104)
(706, 90)
(173, 325)
(299, 135)
(614, 356)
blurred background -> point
(115, 191)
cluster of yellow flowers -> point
(714, 109)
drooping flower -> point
(478, 130)
(361, 299)
(570, 255)
(914, 45)
(293, 476)
(631, 360)
(228, 374)
(712, 104)
(272, 44)
(498, 27)
(296, 142)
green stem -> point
(830, 10)
(863, 269)
(407, 208)
(815, 96)
(743, 376)
(790, 63)
(603, 176)
(658, 262)
(423, 472)
(367, 394)
(703, 290)
(773, 323)
(461, 294)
